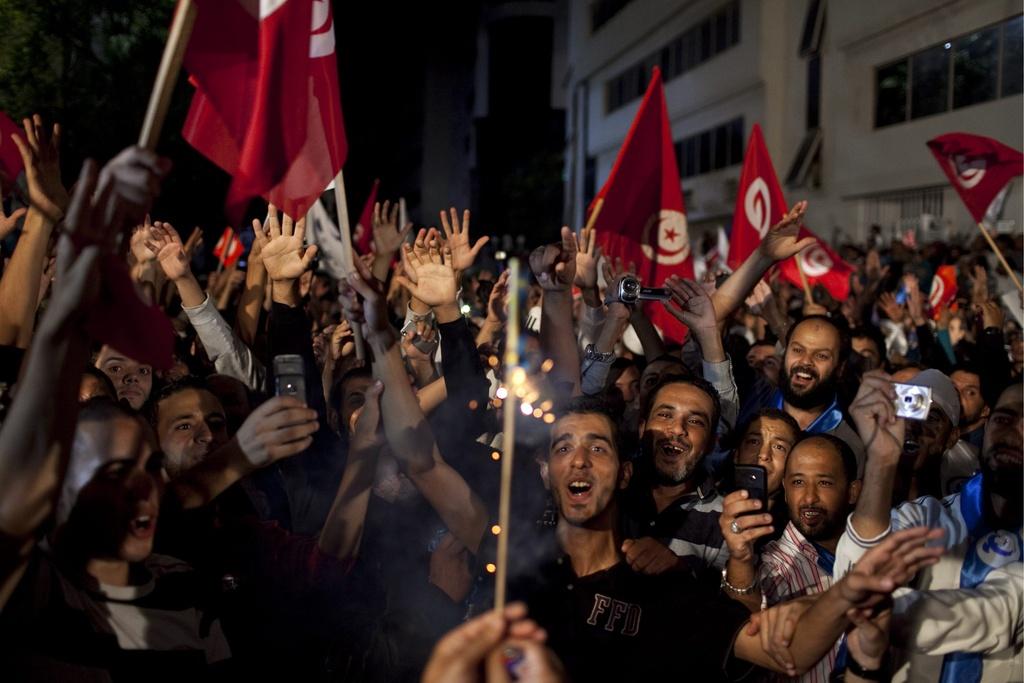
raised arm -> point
(405, 426)
(554, 266)
(876, 576)
(780, 242)
(19, 288)
(247, 319)
(387, 238)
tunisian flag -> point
(641, 217)
(978, 167)
(364, 228)
(267, 107)
(11, 164)
(821, 265)
(759, 202)
(943, 291)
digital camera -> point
(630, 292)
(912, 402)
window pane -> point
(891, 94)
(689, 157)
(734, 16)
(704, 153)
(721, 31)
(975, 64)
(1012, 48)
(705, 40)
(931, 82)
(677, 56)
(736, 141)
(721, 135)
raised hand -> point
(280, 428)
(135, 175)
(889, 565)
(342, 341)
(587, 256)
(8, 223)
(869, 640)
(649, 556)
(163, 240)
(915, 299)
(365, 427)
(363, 299)
(456, 236)
(554, 265)
(874, 414)
(387, 238)
(780, 242)
(690, 304)
(497, 311)
(281, 242)
(431, 280)
(991, 312)
(759, 297)
(737, 507)
(195, 240)
(138, 246)
(40, 152)
(887, 303)
(979, 284)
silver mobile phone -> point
(912, 402)
(290, 376)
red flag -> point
(365, 223)
(11, 164)
(229, 248)
(267, 107)
(943, 289)
(978, 167)
(642, 218)
(821, 265)
(760, 203)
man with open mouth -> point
(608, 621)
(817, 349)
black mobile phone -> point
(290, 376)
(754, 479)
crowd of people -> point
(209, 517)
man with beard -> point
(671, 508)
(607, 621)
(816, 350)
(963, 621)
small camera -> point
(630, 292)
(912, 402)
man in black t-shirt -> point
(607, 622)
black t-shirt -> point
(618, 625)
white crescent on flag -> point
(757, 204)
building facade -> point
(847, 93)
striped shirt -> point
(792, 567)
(689, 526)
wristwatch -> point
(879, 674)
(595, 356)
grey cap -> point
(944, 394)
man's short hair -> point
(736, 436)
(102, 378)
(697, 382)
(593, 405)
(103, 409)
(838, 324)
(874, 334)
(176, 387)
(846, 454)
(351, 373)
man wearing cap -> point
(935, 461)
(963, 621)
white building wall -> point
(764, 80)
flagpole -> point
(167, 74)
(598, 205)
(999, 255)
(514, 377)
(346, 251)
(803, 280)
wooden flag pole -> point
(999, 255)
(167, 74)
(598, 205)
(803, 280)
(514, 378)
(347, 255)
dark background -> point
(91, 65)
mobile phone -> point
(753, 479)
(290, 376)
(901, 295)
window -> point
(975, 67)
(891, 94)
(969, 69)
(1013, 40)
(712, 36)
(929, 92)
(814, 91)
(589, 180)
(710, 150)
